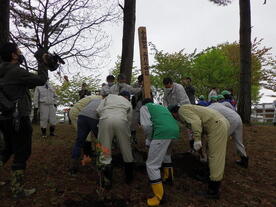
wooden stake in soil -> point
(144, 59)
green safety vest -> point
(164, 125)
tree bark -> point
(4, 21)
(244, 104)
(128, 38)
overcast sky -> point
(177, 24)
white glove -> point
(197, 145)
(147, 142)
(203, 157)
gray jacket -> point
(119, 87)
(175, 96)
(45, 94)
(232, 116)
(23, 80)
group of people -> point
(115, 115)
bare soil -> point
(48, 172)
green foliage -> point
(68, 92)
(214, 67)
(262, 63)
(176, 65)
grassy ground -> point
(47, 172)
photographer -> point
(15, 124)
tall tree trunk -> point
(4, 21)
(244, 105)
(128, 38)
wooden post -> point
(144, 59)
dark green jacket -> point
(18, 81)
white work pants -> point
(159, 152)
(47, 115)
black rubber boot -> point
(191, 143)
(133, 137)
(212, 192)
(243, 162)
(168, 175)
(74, 167)
(129, 172)
(107, 177)
(87, 149)
(43, 132)
(52, 131)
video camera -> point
(51, 60)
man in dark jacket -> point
(17, 128)
(190, 90)
(84, 92)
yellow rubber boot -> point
(158, 192)
(168, 175)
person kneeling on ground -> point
(160, 128)
(200, 119)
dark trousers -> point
(84, 126)
(17, 143)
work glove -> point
(197, 145)
(86, 160)
(147, 142)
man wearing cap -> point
(161, 128)
(213, 99)
(201, 101)
(228, 97)
(115, 112)
(221, 100)
(236, 130)
(215, 126)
